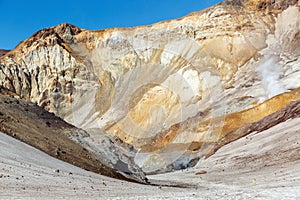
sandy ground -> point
(265, 165)
(27, 173)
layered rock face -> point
(172, 90)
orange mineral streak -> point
(224, 125)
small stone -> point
(57, 151)
(201, 172)
(254, 181)
(56, 171)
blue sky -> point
(19, 19)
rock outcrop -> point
(168, 89)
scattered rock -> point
(48, 124)
(254, 181)
(201, 172)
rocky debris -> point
(201, 172)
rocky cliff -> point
(3, 52)
(173, 89)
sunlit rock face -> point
(169, 89)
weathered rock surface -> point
(169, 89)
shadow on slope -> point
(35, 126)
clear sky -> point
(19, 19)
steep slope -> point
(169, 88)
(33, 125)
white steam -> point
(270, 71)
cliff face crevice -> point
(170, 88)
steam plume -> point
(270, 71)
